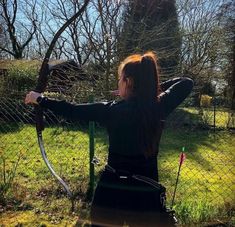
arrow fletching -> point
(182, 158)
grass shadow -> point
(10, 127)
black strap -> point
(123, 174)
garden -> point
(70, 50)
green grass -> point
(221, 118)
(204, 193)
(206, 187)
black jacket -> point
(122, 122)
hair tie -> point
(143, 59)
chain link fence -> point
(205, 191)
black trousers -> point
(127, 201)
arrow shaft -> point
(176, 184)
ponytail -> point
(143, 71)
(149, 77)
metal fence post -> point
(91, 155)
(214, 114)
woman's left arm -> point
(76, 112)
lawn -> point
(33, 198)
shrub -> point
(205, 101)
(7, 176)
(20, 76)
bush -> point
(205, 101)
(20, 77)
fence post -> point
(214, 114)
(91, 156)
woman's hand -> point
(31, 97)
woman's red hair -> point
(144, 73)
(143, 70)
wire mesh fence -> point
(207, 177)
(66, 145)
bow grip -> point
(39, 118)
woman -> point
(128, 191)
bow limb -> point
(44, 156)
(42, 80)
(41, 86)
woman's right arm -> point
(168, 83)
(80, 112)
(176, 90)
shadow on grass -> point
(181, 118)
(184, 129)
(175, 139)
(9, 127)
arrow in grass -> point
(181, 161)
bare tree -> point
(19, 31)
(201, 39)
(91, 40)
(105, 37)
(199, 25)
(70, 43)
(3, 40)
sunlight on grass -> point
(220, 117)
(30, 218)
(207, 179)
